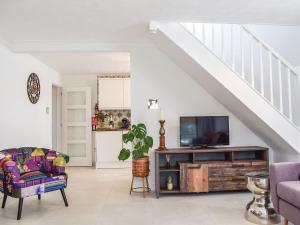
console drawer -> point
(227, 186)
(232, 172)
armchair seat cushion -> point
(36, 182)
(289, 191)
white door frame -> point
(57, 123)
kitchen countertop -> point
(112, 129)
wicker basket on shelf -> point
(140, 167)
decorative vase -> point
(168, 161)
(170, 185)
(140, 167)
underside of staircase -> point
(221, 81)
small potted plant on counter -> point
(141, 144)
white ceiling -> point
(126, 20)
(86, 63)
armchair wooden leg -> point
(64, 197)
(285, 222)
(39, 197)
(4, 201)
(20, 208)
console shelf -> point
(206, 170)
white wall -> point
(23, 123)
(154, 75)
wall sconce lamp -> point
(153, 104)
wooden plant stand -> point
(145, 188)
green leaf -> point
(128, 137)
(137, 153)
(149, 141)
(124, 154)
(145, 148)
(140, 131)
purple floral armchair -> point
(30, 171)
(285, 190)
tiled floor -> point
(100, 197)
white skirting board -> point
(113, 165)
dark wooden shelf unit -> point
(206, 170)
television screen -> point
(204, 131)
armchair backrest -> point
(28, 159)
(280, 172)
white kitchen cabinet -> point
(108, 146)
(114, 93)
(127, 93)
(110, 93)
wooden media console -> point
(207, 169)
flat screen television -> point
(199, 131)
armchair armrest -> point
(280, 172)
(10, 173)
(66, 157)
(10, 167)
(60, 162)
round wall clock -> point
(33, 88)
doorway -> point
(56, 118)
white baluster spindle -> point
(280, 86)
(194, 29)
(222, 41)
(290, 94)
(261, 66)
(232, 46)
(242, 53)
(252, 63)
(203, 34)
(271, 78)
(213, 38)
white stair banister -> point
(254, 67)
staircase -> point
(241, 71)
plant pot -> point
(140, 167)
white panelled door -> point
(77, 125)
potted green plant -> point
(141, 144)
